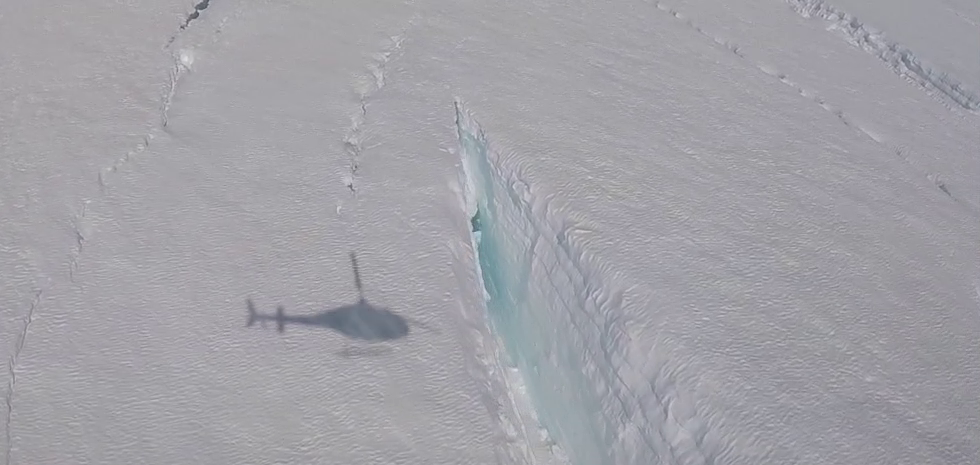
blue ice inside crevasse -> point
(530, 317)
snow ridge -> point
(12, 372)
(601, 398)
(898, 57)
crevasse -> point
(602, 398)
(509, 240)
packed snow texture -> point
(676, 232)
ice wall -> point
(563, 326)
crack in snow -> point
(352, 145)
(353, 141)
(812, 96)
(78, 227)
(181, 65)
(899, 58)
(182, 61)
(138, 149)
(203, 5)
(193, 15)
(12, 373)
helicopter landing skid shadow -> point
(360, 351)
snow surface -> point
(671, 232)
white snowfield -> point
(462, 232)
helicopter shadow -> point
(360, 320)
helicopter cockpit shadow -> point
(360, 320)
